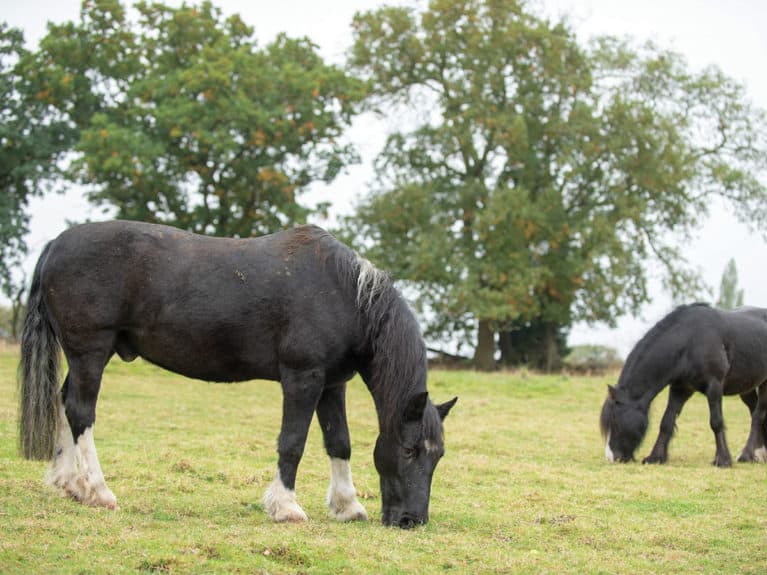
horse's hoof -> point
(354, 511)
(108, 501)
(66, 486)
(111, 505)
(653, 459)
(291, 514)
(758, 455)
(722, 462)
(101, 497)
(280, 503)
(745, 458)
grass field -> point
(523, 487)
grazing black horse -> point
(694, 348)
(297, 307)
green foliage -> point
(730, 296)
(538, 175)
(523, 487)
(31, 141)
(185, 120)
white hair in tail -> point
(370, 282)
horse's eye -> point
(409, 452)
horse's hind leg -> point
(80, 406)
(301, 390)
(62, 474)
(755, 449)
(342, 496)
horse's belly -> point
(745, 375)
(206, 359)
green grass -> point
(523, 487)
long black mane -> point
(647, 345)
(646, 360)
(392, 342)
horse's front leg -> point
(755, 449)
(716, 420)
(677, 397)
(342, 496)
(301, 390)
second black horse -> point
(694, 348)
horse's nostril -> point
(406, 523)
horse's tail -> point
(38, 375)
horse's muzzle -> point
(404, 521)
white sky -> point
(728, 33)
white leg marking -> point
(760, 454)
(342, 497)
(91, 479)
(280, 502)
(62, 474)
(609, 452)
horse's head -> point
(624, 424)
(406, 461)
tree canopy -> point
(536, 174)
(183, 119)
(31, 142)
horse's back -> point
(213, 308)
(727, 345)
(697, 343)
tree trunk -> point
(484, 355)
(506, 345)
(551, 358)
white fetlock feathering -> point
(62, 474)
(91, 479)
(280, 502)
(342, 496)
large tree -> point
(534, 175)
(31, 143)
(183, 119)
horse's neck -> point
(642, 386)
(368, 375)
(391, 383)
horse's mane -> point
(391, 335)
(398, 362)
(645, 345)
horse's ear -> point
(415, 407)
(444, 408)
(610, 392)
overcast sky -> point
(727, 33)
